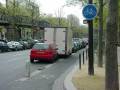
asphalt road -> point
(15, 66)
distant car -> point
(3, 46)
(25, 44)
(13, 45)
(74, 47)
(43, 51)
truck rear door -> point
(49, 35)
(60, 40)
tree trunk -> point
(119, 25)
(100, 43)
(112, 81)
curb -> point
(62, 83)
(68, 85)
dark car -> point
(74, 47)
(25, 44)
(3, 46)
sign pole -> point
(90, 12)
(90, 50)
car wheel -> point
(16, 49)
(32, 60)
(52, 60)
(57, 56)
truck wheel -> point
(70, 53)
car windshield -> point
(41, 46)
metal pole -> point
(79, 61)
(86, 55)
(28, 71)
(83, 58)
(90, 41)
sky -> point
(52, 6)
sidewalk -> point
(80, 80)
(83, 81)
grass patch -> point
(83, 81)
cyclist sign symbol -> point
(89, 12)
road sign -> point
(85, 22)
(89, 12)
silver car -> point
(13, 45)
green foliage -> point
(105, 13)
(21, 8)
(72, 2)
(81, 31)
(2, 9)
(75, 2)
(52, 20)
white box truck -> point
(61, 37)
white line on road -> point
(35, 73)
(22, 79)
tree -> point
(100, 35)
(119, 22)
(111, 79)
(59, 15)
(74, 24)
(73, 20)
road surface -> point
(14, 68)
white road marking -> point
(22, 79)
(35, 73)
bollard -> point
(83, 58)
(28, 69)
(79, 61)
(86, 54)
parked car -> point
(74, 47)
(3, 46)
(25, 44)
(43, 51)
(13, 45)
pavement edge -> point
(65, 81)
(68, 85)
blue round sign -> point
(89, 12)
